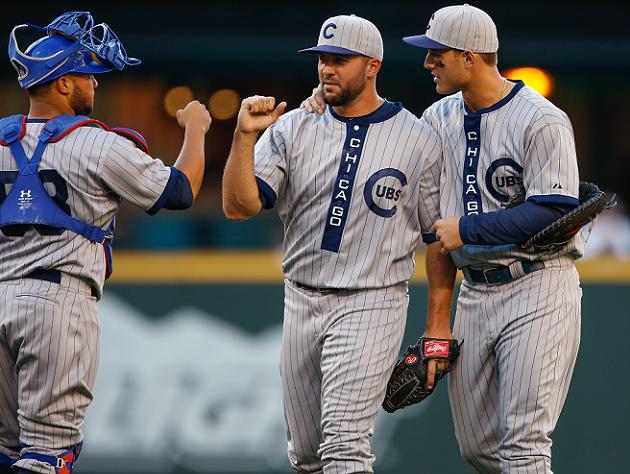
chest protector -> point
(28, 202)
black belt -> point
(315, 288)
(503, 274)
(53, 276)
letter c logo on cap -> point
(327, 34)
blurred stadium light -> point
(176, 99)
(538, 79)
(224, 104)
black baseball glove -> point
(408, 383)
(555, 235)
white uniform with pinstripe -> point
(354, 197)
(49, 331)
(521, 338)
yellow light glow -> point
(224, 104)
(538, 79)
(177, 98)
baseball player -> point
(348, 186)
(62, 179)
(518, 311)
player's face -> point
(447, 69)
(343, 78)
(82, 98)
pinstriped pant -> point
(510, 383)
(338, 350)
(48, 359)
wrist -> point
(195, 128)
(245, 136)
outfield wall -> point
(189, 374)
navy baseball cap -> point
(348, 35)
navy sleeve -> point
(266, 193)
(510, 226)
(429, 238)
(177, 194)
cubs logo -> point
(504, 178)
(328, 31)
(384, 188)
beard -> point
(81, 103)
(346, 95)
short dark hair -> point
(491, 59)
(39, 90)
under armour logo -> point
(25, 193)
(557, 186)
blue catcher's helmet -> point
(72, 44)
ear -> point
(469, 59)
(372, 68)
(64, 85)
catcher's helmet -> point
(72, 44)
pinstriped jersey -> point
(523, 142)
(354, 195)
(88, 173)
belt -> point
(318, 289)
(503, 274)
(54, 276)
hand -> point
(447, 233)
(433, 366)
(195, 113)
(257, 113)
(315, 103)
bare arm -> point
(240, 191)
(195, 120)
(441, 279)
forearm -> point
(509, 226)
(192, 159)
(241, 198)
(441, 279)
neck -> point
(364, 104)
(41, 109)
(486, 89)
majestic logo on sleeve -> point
(504, 178)
(383, 190)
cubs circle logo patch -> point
(383, 190)
(504, 178)
(411, 359)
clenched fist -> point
(195, 113)
(257, 113)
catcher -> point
(416, 374)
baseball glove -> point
(408, 383)
(592, 201)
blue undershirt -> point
(509, 226)
(177, 193)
